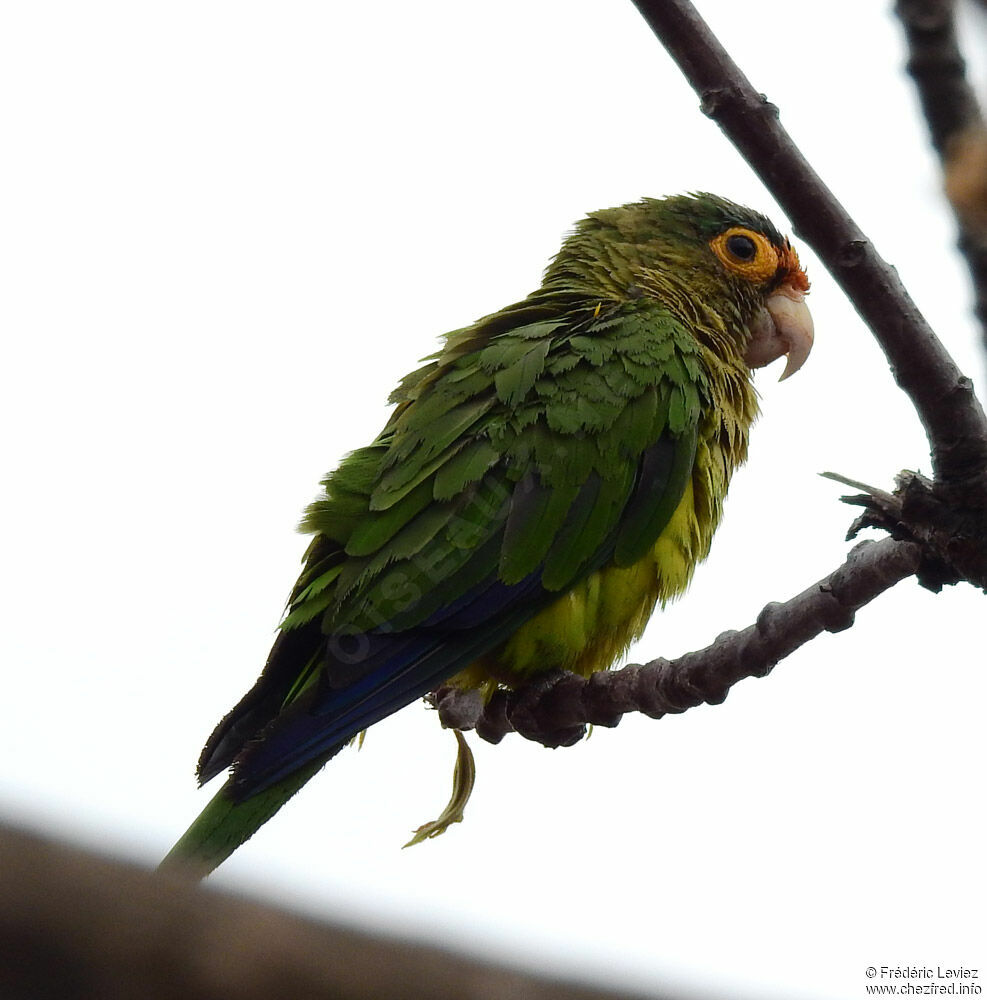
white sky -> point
(227, 230)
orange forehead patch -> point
(788, 260)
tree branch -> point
(953, 419)
(957, 127)
(936, 65)
(77, 926)
(554, 711)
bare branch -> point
(957, 127)
(77, 926)
(938, 69)
(952, 416)
(554, 711)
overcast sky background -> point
(227, 230)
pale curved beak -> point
(782, 327)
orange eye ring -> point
(747, 253)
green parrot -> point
(552, 473)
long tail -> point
(225, 824)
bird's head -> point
(723, 269)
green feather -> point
(464, 468)
(224, 825)
(640, 422)
(537, 512)
(402, 479)
(642, 525)
(566, 555)
(377, 527)
(596, 350)
(414, 536)
(514, 382)
(584, 536)
(436, 421)
(311, 603)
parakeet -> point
(551, 474)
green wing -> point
(539, 445)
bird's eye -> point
(747, 253)
(741, 247)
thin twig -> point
(956, 125)
(938, 69)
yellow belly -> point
(590, 626)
